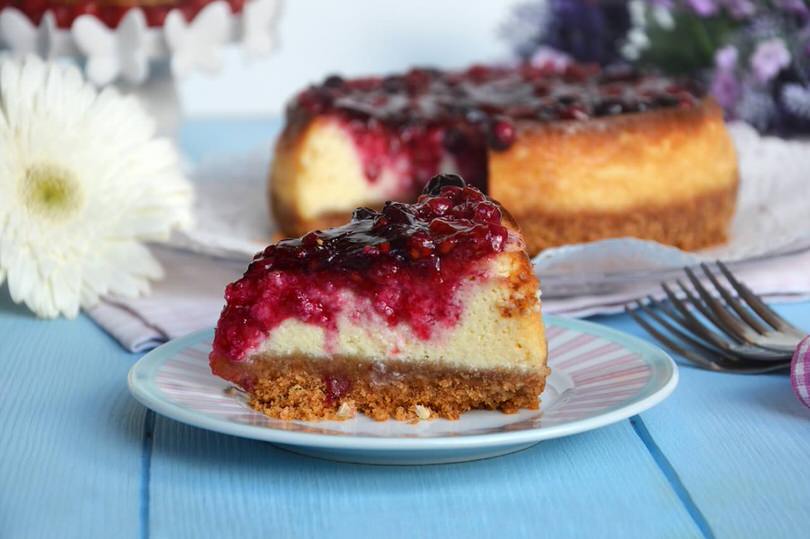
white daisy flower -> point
(82, 184)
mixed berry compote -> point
(403, 264)
(111, 12)
(423, 116)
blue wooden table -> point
(724, 456)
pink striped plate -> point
(599, 376)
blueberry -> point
(442, 180)
(363, 214)
(334, 81)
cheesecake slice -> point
(419, 310)
(576, 156)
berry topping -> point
(111, 12)
(405, 263)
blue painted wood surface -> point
(740, 444)
(70, 434)
(725, 456)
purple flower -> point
(725, 89)
(796, 100)
(757, 108)
(726, 58)
(740, 9)
(769, 58)
(704, 8)
(587, 30)
(793, 106)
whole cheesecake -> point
(576, 156)
(419, 310)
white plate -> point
(599, 376)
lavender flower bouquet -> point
(753, 54)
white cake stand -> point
(142, 60)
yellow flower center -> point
(51, 190)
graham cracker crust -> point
(694, 224)
(306, 389)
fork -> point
(726, 333)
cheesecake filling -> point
(479, 301)
(420, 151)
(345, 165)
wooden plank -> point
(740, 445)
(70, 434)
(602, 483)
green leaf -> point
(688, 46)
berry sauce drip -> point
(411, 121)
(406, 260)
(111, 12)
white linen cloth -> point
(189, 298)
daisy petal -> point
(83, 183)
